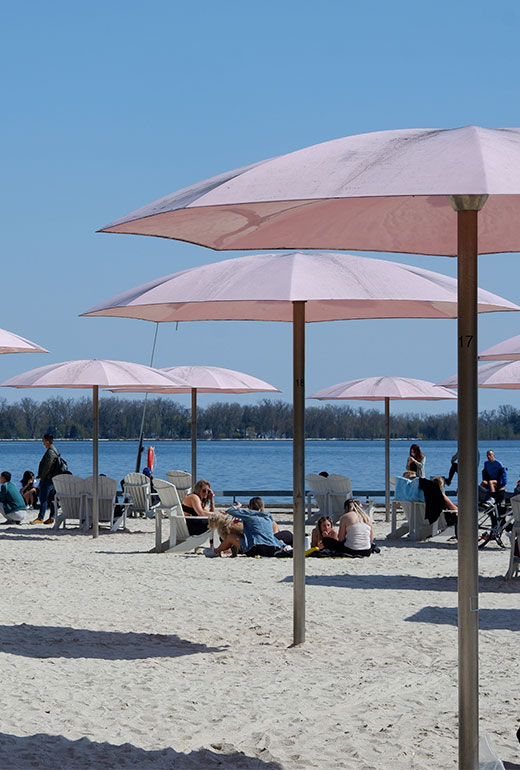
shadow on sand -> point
(500, 619)
(407, 582)
(64, 642)
(48, 752)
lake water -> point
(255, 464)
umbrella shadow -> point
(15, 536)
(489, 619)
(407, 582)
(47, 752)
(65, 642)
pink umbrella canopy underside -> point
(13, 343)
(379, 388)
(211, 379)
(497, 374)
(264, 286)
(508, 350)
(90, 372)
(381, 191)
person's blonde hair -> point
(355, 506)
(439, 480)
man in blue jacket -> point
(12, 504)
(494, 477)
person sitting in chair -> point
(494, 478)
(200, 502)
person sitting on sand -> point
(324, 528)
(12, 504)
(27, 489)
(285, 535)
(356, 532)
(200, 502)
(258, 538)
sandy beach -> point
(113, 657)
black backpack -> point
(60, 466)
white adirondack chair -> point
(107, 489)
(318, 486)
(137, 487)
(514, 559)
(70, 500)
(182, 482)
(330, 493)
(180, 539)
(340, 489)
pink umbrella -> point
(295, 287)
(13, 343)
(205, 379)
(411, 190)
(385, 389)
(497, 374)
(508, 350)
(93, 374)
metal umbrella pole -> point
(299, 472)
(193, 436)
(467, 208)
(95, 465)
(387, 459)
(141, 431)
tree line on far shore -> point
(120, 418)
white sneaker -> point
(210, 553)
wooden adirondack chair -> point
(70, 500)
(180, 540)
(137, 488)
(181, 480)
(107, 502)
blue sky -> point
(107, 106)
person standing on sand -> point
(45, 473)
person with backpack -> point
(46, 470)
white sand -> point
(113, 657)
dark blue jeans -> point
(46, 490)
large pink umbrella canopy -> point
(385, 389)
(508, 350)
(265, 286)
(497, 374)
(92, 373)
(295, 287)
(386, 191)
(206, 379)
(13, 343)
(382, 191)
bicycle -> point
(493, 521)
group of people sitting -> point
(252, 530)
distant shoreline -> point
(210, 440)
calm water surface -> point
(255, 464)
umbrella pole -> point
(467, 208)
(95, 473)
(299, 472)
(193, 436)
(387, 459)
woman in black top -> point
(200, 502)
